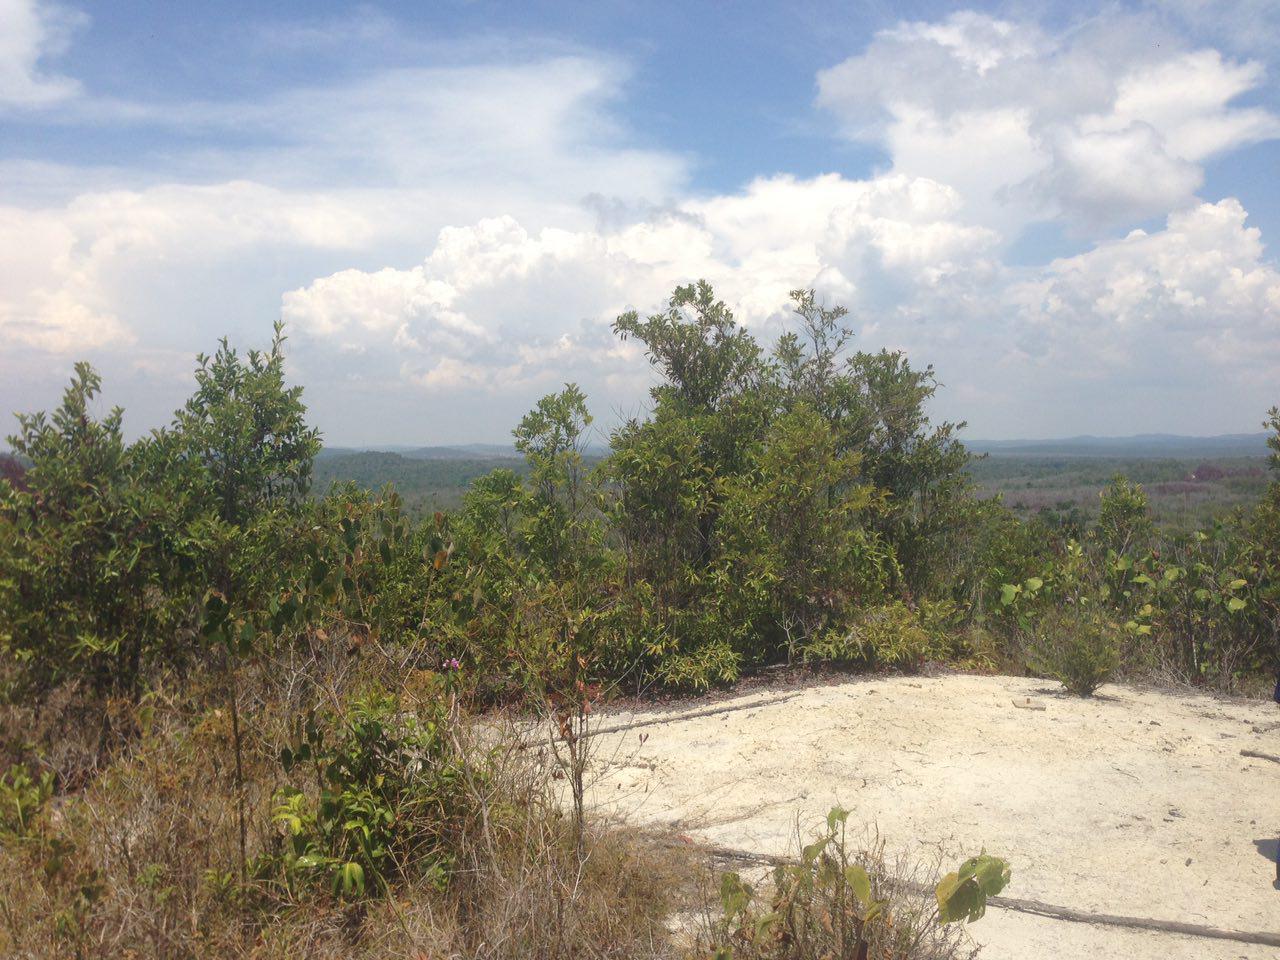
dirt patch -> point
(1134, 802)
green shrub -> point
(1123, 521)
(711, 665)
(94, 553)
(890, 635)
(1079, 647)
(839, 902)
(388, 800)
(22, 797)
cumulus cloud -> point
(1184, 299)
(369, 166)
(549, 220)
(498, 311)
(70, 270)
(49, 304)
(495, 305)
(1100, 123)
(32, 32)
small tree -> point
(702, 353)
(876, 406)
(245, 438)
(795, 540)
(551, 438)
(94, 550)
(1123, 521)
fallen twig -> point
(1260, 756)
(693, 714)
(674, 718)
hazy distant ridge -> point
(1141, 445)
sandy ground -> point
(1135, 802)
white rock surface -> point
(1134, 802)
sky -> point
(1068, 210)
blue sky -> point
(1066, 209)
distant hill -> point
(1141, 445)
(469, 451)
(430, 482)
(472, 451)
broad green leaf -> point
(814, 850)
(856, 876)
(836, 815)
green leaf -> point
(352, 878)
(814, 850)
(856, 876)
(957, 899)
(1235, 604)
(963, 895)
(992, 874)
(836, 815)
(734, 895)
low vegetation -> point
(837, 900)
(238, 719)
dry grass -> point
(142, 860)
(137, 854)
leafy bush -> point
(94, 550)
(837, 902)
(388, 800)
(768, 498)
(1078, 647)
(889, 635)
(1123, 522)
(1200, 598)
(22, 797)
(795, 550)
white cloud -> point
(70, 271)
(549, 220)
(49, 303)
(1185, 298)
(31, 32)
(364, 168)
(1100, 124)
(499, 308)
(499, 312)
